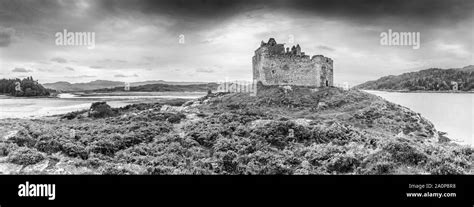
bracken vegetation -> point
(281, 131)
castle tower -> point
(272, 42)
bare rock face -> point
(10, 134)
(58, 164)
(10, 168)
(303, 122)
(286, 88)
(37, 168)
(259, 123)
(322, 105)
(67, 166)
(179, 109)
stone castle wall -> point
(272, 65)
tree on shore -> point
(26, 87)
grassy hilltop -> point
(280, 131)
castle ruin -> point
(273, 65)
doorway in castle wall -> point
(327, 83)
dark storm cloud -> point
(30, 12)
(144, 34)
(420, 10)
(203, 9)
(202, 14)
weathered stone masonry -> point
(272, 65)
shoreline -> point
(457, 135)
(404, 91)
(132, 93)
(82, 103)
(10, 96)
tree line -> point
(23, 87)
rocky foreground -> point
(280, 131)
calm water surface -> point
(449, 112)
(19, 107)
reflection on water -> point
(24, 107)
(449, 112)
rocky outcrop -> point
(180, 109)
(101, 110)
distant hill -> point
(165, 82)
(204, 87)
(102, 84)
(66, 86)
(433, 79)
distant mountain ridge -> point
(159, 87)
(102, 84)
(433, 79)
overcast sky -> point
(139, 40)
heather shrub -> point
(6, 148)
(402, 151)
(48, 145)
(342, 163)
(75, 150)
(175, 118)
(23, 138)
(378, 168)
(228, 161)
(25, 156)
(443, 167)
(203, 132)
(275, 133)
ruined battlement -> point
(275, 65)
